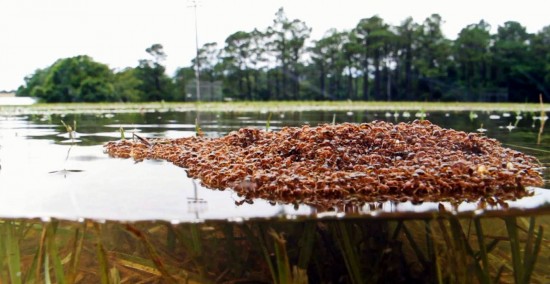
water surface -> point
(47, 173)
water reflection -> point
(534, 201)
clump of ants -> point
(333, 162)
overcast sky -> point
(35, 33)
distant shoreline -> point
(7, 94)
(273, 106)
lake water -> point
(48, 175)
(56, 177)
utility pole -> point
(194, 4)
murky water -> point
(50, 175)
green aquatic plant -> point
(422, 113)
(10, 251)
(198, 130)
(122, 137)
(439, 249)
(268, 121)
(472, 115)
(344, 237)
(523, 266)
(70, 130)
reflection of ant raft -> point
(370, 161)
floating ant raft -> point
(373, 161)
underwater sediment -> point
(370, 161)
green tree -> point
(351, 52)
(259, 63)
(34, 84)
(327, 58)
(209, 58)
(540, 61)
(471, 53)
(511, 61)
(372, 34)
(406, 42)
(75, 79)
(181, 79)
(127, 85)
(433, 59)
(237, 60)
(287, 46)
(155, 84)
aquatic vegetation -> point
(440, 249)
(481, 129)
(122, 136)
(71, 135)
(334, 164)
(268, 122)
(71, 130)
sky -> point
(35, 33)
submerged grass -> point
(442, 249)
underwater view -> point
(70, 213)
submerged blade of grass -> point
(492, 245)
(306, 244)
(512, 228)
(438, 271)
(190, 239)
(463, 248)
(12, 251)
(527, 252)
(397, 230)
(281, 257)
(103, 264)
(299, 276)
(75, 256)
(499, 274)
(195, 238)
(54, 253)
(136, 263)
(259, 241)
(115, 276)
(532, 250)
(155, 257)
(349, 252)
(103, 261)
(233, 249)
(482, 252)
(47, 278)
(30, 276)
(420, 255)
(42, 248)
(430, 245)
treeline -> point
(372, 61)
